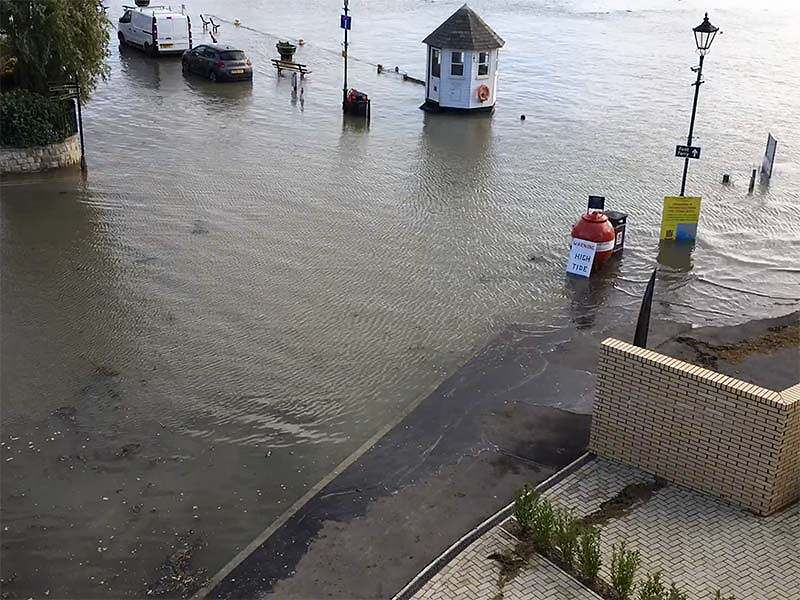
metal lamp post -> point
(703, 35)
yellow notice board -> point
(679, 218)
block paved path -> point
(697, 541)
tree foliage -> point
(55, 41)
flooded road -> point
(245, 288)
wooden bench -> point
(283, 65)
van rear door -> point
(173, 33)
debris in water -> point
(105, 371)
(128, 450)
(65, 412)
(177, 575)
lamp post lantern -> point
(703, 36)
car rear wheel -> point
(121, 38)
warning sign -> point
(679, 218)
(581, 257)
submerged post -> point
(345, 25)
(80, 124)
(643, 323)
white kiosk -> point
(462, 64)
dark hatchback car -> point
(218, 62)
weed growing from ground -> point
(589, 558)
(565, 535)
(543, 525)
(525, 506)
(653, 588)
(624, 564)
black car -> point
(218, 62)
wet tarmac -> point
(515, 413)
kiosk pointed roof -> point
(464, 30)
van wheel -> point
(212, 76)
(121, 38)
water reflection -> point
(219, 97)
(146, 71)
(587, 295)
(353, 123)
(456, 156)
(676, 254)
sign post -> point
(581, 257)
(345, 23)
(769, 156)
(679, 218)
(80, 123)
(597, 202)
(687, 151)
(72, 91)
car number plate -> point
(166, 45)
(237, 71)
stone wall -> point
(41, 158)
(697, 428)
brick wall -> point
(787, 486)
(697, 428)
(41, 158)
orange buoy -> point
(595, 227)
(484, 92)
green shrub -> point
(589, 559)
(653, 588)
(624, 564)
(719, 596)
(565, 535)
(525, 506)
(30, 119)
(543, 525)
(675, 594)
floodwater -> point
(245, 288)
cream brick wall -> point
(697, 428)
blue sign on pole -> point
(345, 22)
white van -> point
(155, 29)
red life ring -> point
(483, 93)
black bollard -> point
(752, 182)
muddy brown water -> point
(244, 288)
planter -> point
(286, 50)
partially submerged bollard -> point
(286, 50)
(618, 221)
(595, 227)
(357, 103)
(596, 236)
